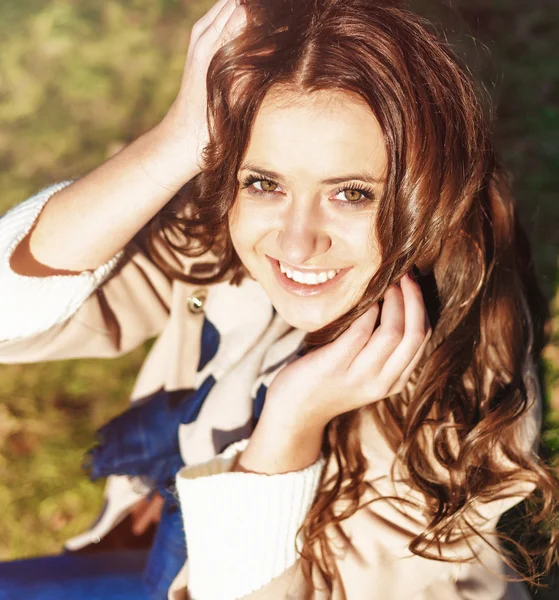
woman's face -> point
(310, 183)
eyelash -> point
(368, 194)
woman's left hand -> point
(363, 365)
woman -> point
(362, 406)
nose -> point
(302, 236)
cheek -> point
(364, 247)
(371, 253)
(241, 230)
(235, 222)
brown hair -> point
(446, 209)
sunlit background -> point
(80, 78)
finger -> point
(343, 350)
(215, 28)
(400, 384)
(202, 24)
(234, 25)
(416, 328)
(386, 337)
(138, 524)
(151, 514)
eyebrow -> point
(360, 176)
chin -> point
(308, 327)
(300, 322)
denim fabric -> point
(107, 576)
(143, 441)
(167, 555)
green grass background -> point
(80, 78)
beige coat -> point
(139, 302)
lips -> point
(304, 289)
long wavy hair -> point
(446, 210)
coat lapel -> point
(252, 336)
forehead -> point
(318, 134)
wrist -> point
(276, 447)
(167, 159)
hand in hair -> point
(363, 365)
(92, 219)
(186, 119)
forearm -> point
(88, 222)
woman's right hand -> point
(95, 217)
(185, 123)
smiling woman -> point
(343, 387)
(300, 205)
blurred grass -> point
(80, 78)
(47, 417)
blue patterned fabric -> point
(258, 402)
(143, 441)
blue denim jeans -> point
(113, 575)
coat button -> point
(196, 300)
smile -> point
(309, 277)
(306, 283)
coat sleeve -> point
(374, 562)
(102, 313)
(372, 557)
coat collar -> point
(253, 339)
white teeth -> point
(308, 278)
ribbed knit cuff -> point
(241, 528)
(30, 305)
